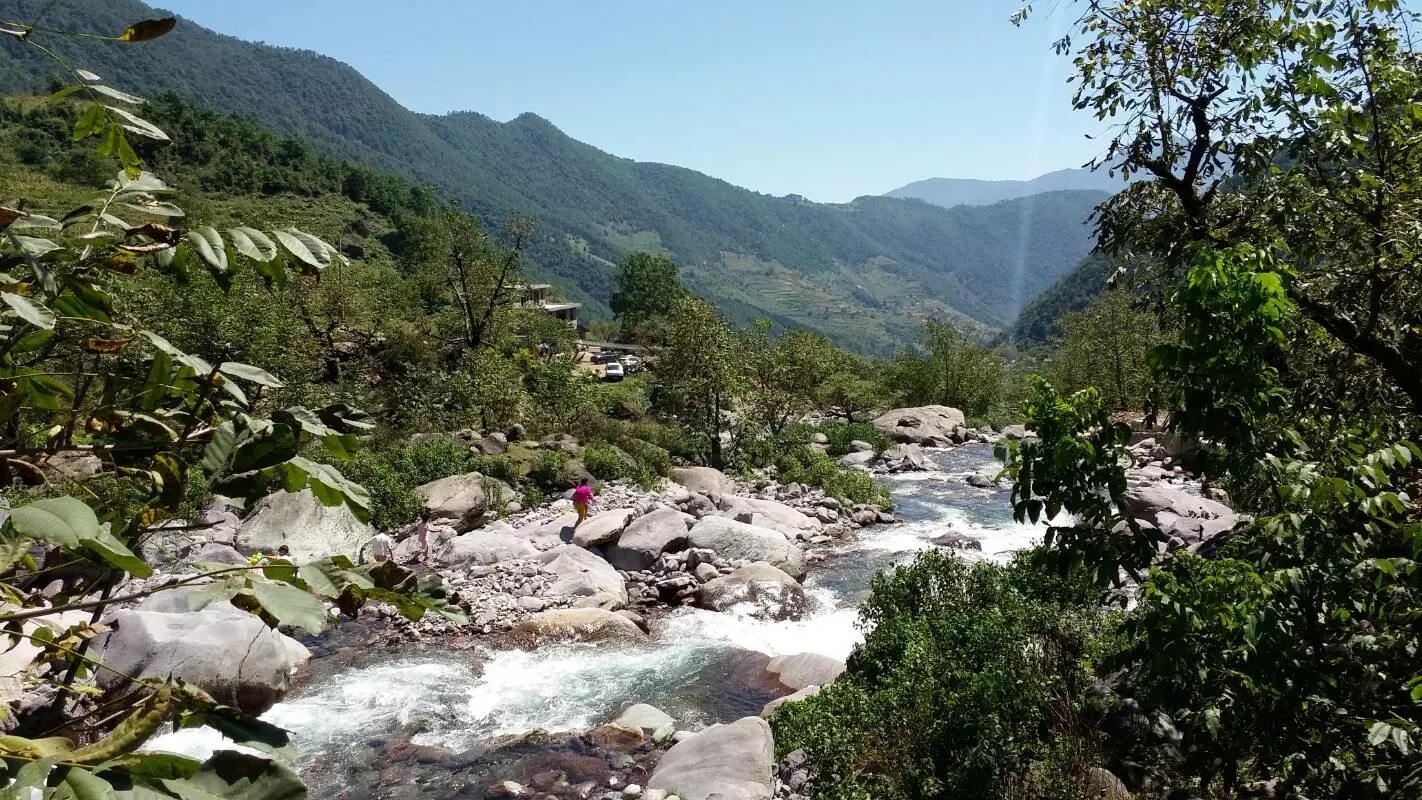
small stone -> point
(506, 789)
(532, 603)
(706, 572)
(632, 790)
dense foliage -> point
(862, 273)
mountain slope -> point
(1039, 321)
(949, 192)
(864, 272)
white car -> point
(613, 372)
(632, 364)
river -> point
(457, 699)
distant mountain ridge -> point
(866, 272)
(949, 192)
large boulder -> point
(574, 625)
(1175, 512)
(603, 528)
(773, 591)
(460, 499)
(859, 459)
(736, 541)
(228, 653)
(709, 481)
(298, 520)
(552, 533)
(483, 547)
(803, 694)
(804, 669)
(648, 718)
(648, 536)
(905, 457)
(583, 575)
(923, 422)
(724, 762)
(781, 516)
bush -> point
(962, 683)
(501, 467)
(803, 465)
(605, 462)
(842, 433)
(546, 472)
(391, 475)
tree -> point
(847, 394)
(948, 368)
(1105, 346)
(700, 370)
(648, 289)
(82, 378)
(783, 373)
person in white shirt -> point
(381, 546)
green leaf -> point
(34, 246)
(29, 311)
(148, 30)
(109, 91)
(62, 521)
(92, 122)
(265, 448)
(161, 765)
(107, 546)
(249, 373)
(229, 775)
(253, 244)
(219, 448)
(85, 785)
(291, 605)
(243, 729)
(208, 244)
(330, 486)
(306, 248)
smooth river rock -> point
(783, 516)
(483, 547)
(228, 653)
(804, 669)
(460, 499)
(574, 625)
(922, 422)
(1176, 512)
(648, 536)
(298, 520)
(582, 574)
(705, 480)
(724, 762)
(603, 528)
(776, 593)
(736, 540)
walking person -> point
(422, 530)
(582, 499)
(381, 546)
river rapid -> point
(457, 700)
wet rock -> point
(461, 499)
(773, 591)
(645, 717)
(228, 653)
(804, 669)
(482, 547)
(916, 424)
(958, 541)
(737, 540)
(726, 762)
(574, 625)
(646, 538)
(301, 522)
(1175, 512)
(903, 458)
(984, 478)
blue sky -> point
(831, 99)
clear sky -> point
(830, 99)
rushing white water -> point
(457, 700)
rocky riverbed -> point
(637, 655)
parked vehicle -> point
(613, 372)
(605, 357)
(632, 364)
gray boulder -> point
(483, 547)
(904, 457)
(1016, 432)
(645, 717)
(495, 444)
(723, 762)
(216, 553)
(784, 517)
(574, 625)
(583, 575)
(460, 499)
(859, 459)
(1175, 512)
(736, 540)
(773, 705)
(552, 533)
(706, 480)
(298, 520)
(228, 653)
(804, 669)
(603, 528)
(647, 537)
(923, 422)
(776, 593)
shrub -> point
(501, 467)
(392, 473)
(546, 472)
(803, 465)
(961, 684)
(605, 462)
(842, 433)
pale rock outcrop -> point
(483, 547)
(301, 522)
(738, 541)
(647, 537)
(706, 480)
(459, 499)
(935, 423)
(583, 575)
(773, 591)
(603, 528)
(724, 762)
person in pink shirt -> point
(582, 499)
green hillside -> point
(864, 272)
(1037, 324)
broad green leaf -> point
(84, 785)
(161, 343)
(87, 76)
(122, 97)
(208, 244)
(306, 248)
(136, 124)
(157, 209)
(291, 605)
(31, 312)
(92, 122)
(250, 373)
(253, 244)
(34, 221)
(219, 448)
(107, 546)
(145, 182)
(161, 765)
(62, 521)
(266, 448)
(148, 29)
(243, 729)
(229, 775)
(329, 485)
(35, 246)
(155, 387)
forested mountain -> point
(949, 192)
(1037, 324)
(864, 272)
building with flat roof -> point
(537, 295)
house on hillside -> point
(538, 295)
